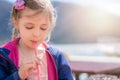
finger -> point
(37, 60)
(25, 70)
(30, 68)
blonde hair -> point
(41, 5)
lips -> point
(37, 42)
(34, 41)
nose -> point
(37, 33)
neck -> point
(22, 45)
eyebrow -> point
(30, 23)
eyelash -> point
(29, 27)
(43, 29)
(40, 28)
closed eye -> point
(43, 29)
(29, 27)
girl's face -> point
(33, 27)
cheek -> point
(45, 34)
(24, 33)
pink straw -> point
(36, 54)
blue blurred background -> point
(84, 27)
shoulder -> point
(54, 51)
(57, 54)
(10, 44)
(4, 51)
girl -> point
(27, 56)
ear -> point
(15, 23)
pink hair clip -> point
(19, 4)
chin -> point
(31, 47)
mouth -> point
(34, 42)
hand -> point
(27, 66)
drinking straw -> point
(36, 54)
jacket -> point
(9, 65)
